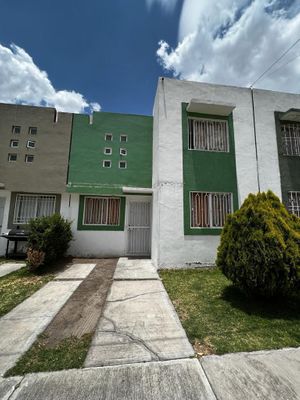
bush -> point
(260, 247)
(48, 240)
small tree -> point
(260, 247)
(48, 240)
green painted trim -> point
(207, 171)
(119, 227)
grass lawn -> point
(17, 286)
(219, 318)
(69, 353)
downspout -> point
(255, 138)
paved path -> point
(139, 322)
(8, 267)
(20, 327)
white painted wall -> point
(6, 195)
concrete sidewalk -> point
(139, 322)
(8, 267)
(20, 327)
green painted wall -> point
(207, 171)
(289, 166)
(86, 174)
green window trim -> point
(82, 227)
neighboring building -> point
(34, 151)
(160, 186)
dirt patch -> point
(203, 349)
(80, 314)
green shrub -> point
(260, 247)
(48, 240)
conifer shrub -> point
(260, 247)
(48, 240)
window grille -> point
(33, 206)
(294, 203)
(208, 135)
(209, 210)
(101, 211)
(290, 133)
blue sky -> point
(82, 56)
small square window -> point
(123, 138)
(108, 150)
(123, 152)
(16, 129)
(106, 164)
(123, 164)
(29, 158)
(32, 130)
(30, 144)
(14, 143)
(12, 157)
(108, 137)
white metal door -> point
(139, 228)
(2, 204)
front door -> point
(139, 228)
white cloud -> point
(167, 5)
(234, 41)
(21, 81)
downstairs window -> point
(101, 211)
(30, 206)
(294, 203)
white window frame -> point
(107, 135)
(123, 161)
(27, 157)
(209, 120)
(28, 145)
(294, 208)
(109, 151)
(209, 208)
(123, 136)
(30, 129)
(25, 220)
(14, 141)
(9, 157)
(103, 163)
(290, 140)
(107, 205)
(13, 129)
(123, 150)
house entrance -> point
(139, 228)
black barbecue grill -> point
(15, 235)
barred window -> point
(30, 206)
(208, 135)
(101, 211)
(294, 203)
(209, 210)
(290, 134)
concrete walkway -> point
(272, 375)
(20, 327)
(8, 267)
(139, 322)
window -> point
(106, 164)
(123, 138)
(30, 206)
(209, 210)
(101, 211)
(14, 143)
(32, 130)
(108, 137)
(12, 157)
(294, 203)
(30, 144)
(290, 134)
(108, 150)
(208, 135)
(123, 152)
(29, 158)
(123, 164)
(16, 129)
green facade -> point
(289, 166)
(86, 172)
(207, 171)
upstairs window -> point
(106, 164)
(123, 138)
(32, 130)
(108, 150)
(14, 143)
(294, 203)
(123, 152)
(101, 211)
(30, 144)
(209, 210)
(108, 137)
(32, 206)
(208, 134)
(16, 129)
(122, 164)
(12, 157)
(290, 134)
(29, 158)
